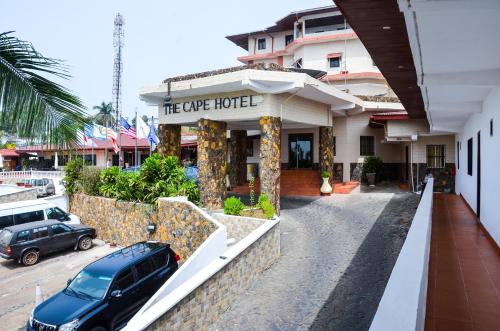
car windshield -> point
(89, 285)
(5, 237)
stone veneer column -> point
(170, 140)
(270, 159)
(326, 150)
(238, 142)
(212, 159)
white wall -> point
(490, 160)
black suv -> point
(108, 292)
(27, 242)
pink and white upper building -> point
(316, 39)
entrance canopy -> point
(242, 95)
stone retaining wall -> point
(25, 194)
(200, 309)
(177, 222)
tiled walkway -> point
(464, 271)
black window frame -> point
(367, 145)
(470, 152)
(336, 58)
(289, 39)
(35, 231)
(491, 127)
(5, 219)
(136, 267)
(334, 145)
(155, 260)
(437, 161)
(38, 213)
(261, 44)
(28, 237)
(64, 226)
(458, 155)
(128, 273)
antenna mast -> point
(118, 37)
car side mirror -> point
(116, 294)
(69, 281)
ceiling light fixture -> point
(400, 66)
(386, 27)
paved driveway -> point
(18, 283)
(336, 257)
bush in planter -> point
(72, 175)
(372, 164)
(266, 206)
(233, 206)
(90, 180)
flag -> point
(142, 128)
(84, 139)
(127, 129)
(152, 137)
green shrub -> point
(90, 180)
(109, 178)
(268, 209)
(262, 198)
(73, 175)
(233, 206)
(372, 164)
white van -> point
(20, 212)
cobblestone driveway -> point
(337, 255)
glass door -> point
(300, 148)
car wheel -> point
(30, 257)
(85, 243)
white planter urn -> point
(326, 188)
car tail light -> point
(177, 257)
(8, 250)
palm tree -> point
(32, 106)
(104, 115)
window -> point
(491, 128)
(89, 158)
(6, 221)
(367, 145)
(261, 43)
(458, 154)
(56, 214)
(144, 268)
(28, 217)
(160, 259)
(469, 157)
(23, 236)
(60, 229)
(436, 156)
(124, 280)
(40, 232)
(288, 39)
(334, 146)
(335, 62)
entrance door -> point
(479, 174)
(300, 148)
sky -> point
(162, 39)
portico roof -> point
(271, 79)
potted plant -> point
(371, 167)
(326, 188)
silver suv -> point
(44, 186)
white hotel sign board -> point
(217, 108)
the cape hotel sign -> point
(238, 102)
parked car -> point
(108, 292)
(20, 212)
(44, 186)
(25, 243)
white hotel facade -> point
(312, 77)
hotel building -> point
(308, 97)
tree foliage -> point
(32, 106)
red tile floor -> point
(464, 271)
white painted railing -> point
(403, 303)
(31, 174)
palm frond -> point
(32, 106)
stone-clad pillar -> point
(326, 150)
(238, 142)
(212, 159)
(170, 140)
(270, 159)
